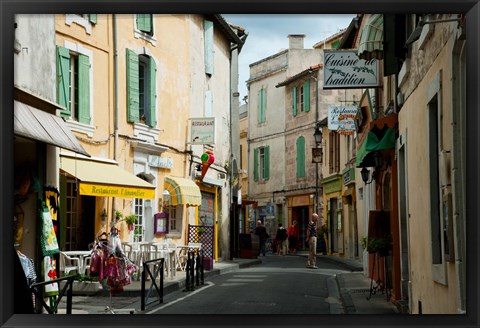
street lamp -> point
(318, 133)
(377, 158)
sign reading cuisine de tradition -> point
(343, 69)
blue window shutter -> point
(267, 162)
(255, 164)
(152, 120)
(301, 157)
(306, 95)
(144, 23)
(208, 30)
(63, 79)
(83, 89)
(133, 96)
(294, 101)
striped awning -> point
(183, 191)
(371, 40)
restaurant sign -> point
(342, 119)
(202, 131)
(343, 69)
(115, 191)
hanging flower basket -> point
(131, 227)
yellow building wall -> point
(434, 297)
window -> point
(174, 220)
(301, 98)
(261, 163)
(145, 23)
(73, 85)
(209, 51)
(334, 152)
(139, 231)
(141, 89)
(262, 104)
(301, 157)
(438, 187)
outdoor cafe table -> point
(81, 258)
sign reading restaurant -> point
(343, 69)
(342, 119)
(202, 130)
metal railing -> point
(37, 289)
(194, 269)
(158, 269)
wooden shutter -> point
(133, 97)
(152, 118)
(255, 164)
(306, 96)
(144, 23)
(63, 79)
(331, 151)
(266, 155)
(301, 157)
(208, 31)
(264, 105)
(294, 101)
(92, 18)
(83, 89)
(259, 106)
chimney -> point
(296, 41)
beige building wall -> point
(433, 287)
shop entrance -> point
(300, 214)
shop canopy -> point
(373, 143)
(35, 124)
(371, 40)
(106, 179)
(183, 191)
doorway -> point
(300, 214)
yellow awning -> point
(183, 191)
(106, 179)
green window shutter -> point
(63, 79)
(294, 101)
(306, 95)
(255, 164)
(152, 121)
(83, 89)
(133, 96)
(259, 106)
(267, 162)
(144, 23)
(301, 157)
(92, 18)
(264, 105)
(208, 30)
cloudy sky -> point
(267, 35)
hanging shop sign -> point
(202, 130)
(342, 119)
(343, 69)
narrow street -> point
(280, 285)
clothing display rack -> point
(110, 262)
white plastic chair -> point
(68, 264)
(87, 261)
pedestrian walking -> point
(262, 234)
(281, 238)
(293, 237)
(312, 242)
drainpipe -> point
(115, 95)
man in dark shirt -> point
(261, 232)
(312, 242)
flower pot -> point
(131, 227)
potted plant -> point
(118, 215)
(130, 220)
(380, 245)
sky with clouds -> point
(268, 34)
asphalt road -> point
(280, 285)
